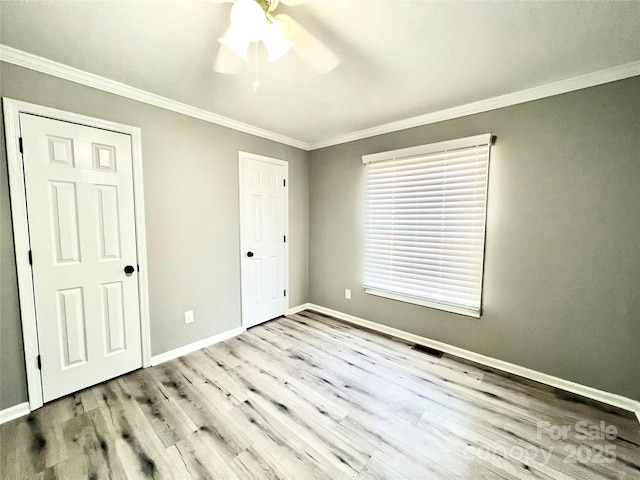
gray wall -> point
(563, 230)
(562, 278)
(191, 195)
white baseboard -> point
(192, 347)
(299, 308)
(22, 409)
(589, 392)
(613, 399)
(14, 412)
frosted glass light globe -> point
(275, 42)
(248, 20)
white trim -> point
(43, 65)
(424, 302)
(195, 346)
(14, 412)
(599, 77)
(141, 248)
(583, 390)
(12, 110)
(252, 156)
(437, 147)
(299, 308)
(21, 246)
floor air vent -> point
(428, 350)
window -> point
(425, 224)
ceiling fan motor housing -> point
(268, 5)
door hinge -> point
(284, 182)
(285, 293)
(20, 144)
(30, 258)
(39, 360)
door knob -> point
(249, 254)
(129, 269)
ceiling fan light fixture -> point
(275, 42)
(248, 19)
(228, 62)
(235, 42)
(252, 21)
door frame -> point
(241, 166)
(17, 194)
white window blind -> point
(425, 224)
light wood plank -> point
(310, 397)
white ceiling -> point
(400, 58)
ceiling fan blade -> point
(307, 46)
(227, 62)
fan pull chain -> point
(256, 81)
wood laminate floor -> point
(309, 397)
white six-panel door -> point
(263, 243)
(80, 206)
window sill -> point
(469, 312)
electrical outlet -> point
(188, 316)
(347, 294)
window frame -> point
(415, 152)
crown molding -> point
(599, 77)
(43, 65)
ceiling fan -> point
(253, 21)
